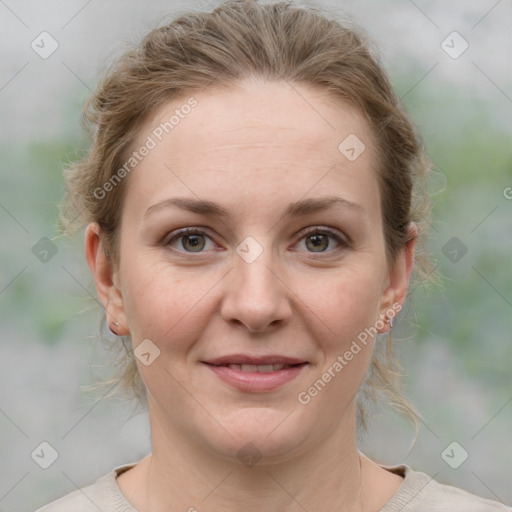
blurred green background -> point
(457, 351)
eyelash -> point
(343, 241)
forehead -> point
(253, 111)
(253, 137)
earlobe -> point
(103, 271)
(394, 295)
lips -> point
(256, 373)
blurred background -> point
(450, 63)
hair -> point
(274, 42)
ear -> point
(106, 279)
(395, 293)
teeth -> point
(266, 368)
(249, 368)
(262, 368)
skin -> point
(253, 149)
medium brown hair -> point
(277, 42)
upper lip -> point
(256, 360)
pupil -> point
(317, 240)
(193, 241)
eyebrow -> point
(303, 207)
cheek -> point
(347, 303)
(167, 305)
(171, 309)
(349, 308)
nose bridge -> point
(253, 272)
(256, 297)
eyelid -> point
(183, 231)
(179, 233)
(341, 236)
(344, 242)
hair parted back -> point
(277, 42)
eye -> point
(192, 240)
(317, 240)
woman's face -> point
(285, 265)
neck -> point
(180, 474)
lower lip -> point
(256, 381)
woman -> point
(251, 228)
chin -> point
(262, 433)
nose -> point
(256, 295)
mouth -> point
(256, 374)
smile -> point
(256, 377)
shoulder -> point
(103, 495)
(421, 493)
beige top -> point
(418, 493)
